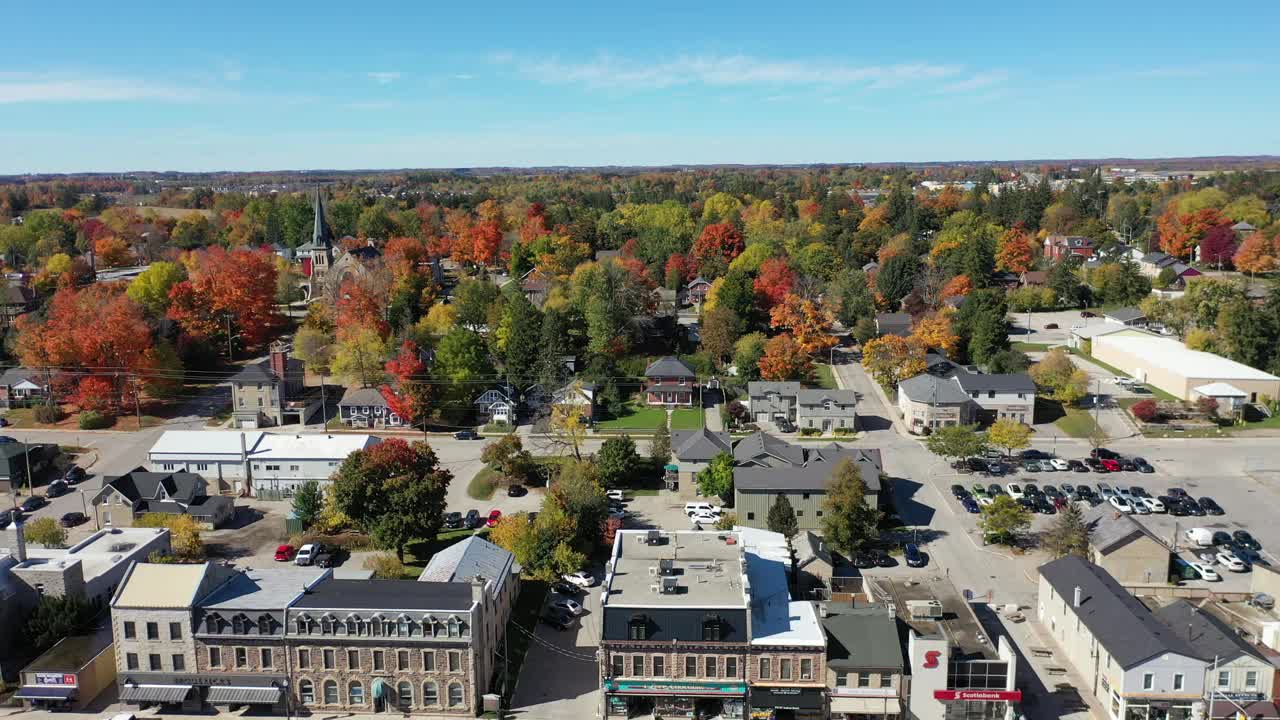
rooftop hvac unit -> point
(666, 566)
(653, 537)
(669, 586)
(924, 609)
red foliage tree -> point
(775, 281)
(679, 265)
(359, 308)
(95, 392)
(240, 283)
(404, 256)
(411, 396)
(1218, 246)
(486, 239)
(1145, 410)
(716, 247)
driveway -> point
(560, 677)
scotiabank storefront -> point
(970, 688)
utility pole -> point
(230, 353)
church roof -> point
(321, 233)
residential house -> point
(272, 392)
(770, 400)
(1127, 316)
(498, 405)
(670, 381)
(535, 285)
(693, 450)
(827, 410)
(1060, 247)
(766, 467)
(696, 291)
(893, 324)
(1130, 661)
(17, 458)
(15, 299)
(949, 394)
(1035, 278)
(1153, 262)
(1126, 549)
(1243, 228)
(1237, 670)
(125, 498)
(261, 464)
(579, 396)
(23, 387)
(367, 408)
(866, 673)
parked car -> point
(1143, 466)
(73, 519)
(1120, 504)
(700, 520)
(1077, 466)
(573, 607)
(1105, 491)
(307, 554)
(1052, 491)
(1104, 454)
(1095, 465)
(581, 578)
(1198, 536)
(1110, 465)
(1210, 506)
(785, 425)
(473, 520)
(1051, 326)
(997, 468)
(1069, 490)
(330, 558)
(568, 589)
(1153, 504)
(285, 553)
(883, 559)
(516, 490)
(495, 516)
(1176, 507)
(914, 557)
(969, 504)
(1229, 561)
(1193, 508)
(1221, 538)
(1178, 492)
(5, 439)
(453, 520)
(1245, 540)
(57, 488)
(616, 495)
(1033, 454)
(1031, 465)
(994, 489)
(33, 503)
(979, 490)
(74, 474)
(863, 560)
(1127, 465)
(1031, 489)
(1205, 572)
(959, 492)
(466, 435)
(559, 620)
(1060, 465)
(692, 508)
(1087, 314)
(1014, 491)
(976, 465)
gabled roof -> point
(261, 371)
(15, 375)
(1209, 636)
(698, 281)
(811, 548)
(893, 323)
(669, 366)
(1118, 621)
(15, 295)
(756, 388)
(1220, 389)
(812, 471)
(142, 485)
(932, 389)
(473, 557)
(699, 445)
(982, 382)
(812, 396)
(1155, 257)
(761, 448)
(1243, 226)
(1109, 530)
(359, 397)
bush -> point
(843, 431)
(94, 420)
(1145, 410)
(809, 432)
(48, 414)
(385, 566)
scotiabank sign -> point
(1011, 695)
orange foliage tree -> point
(1179, 233)
(1255, 255)
(240, 283)
(892, 359)
(1015, 252)
(783, 359)
(111, 251)
(809, 324)
(404, 256)
(360, 308)
(957, 286)
(935, 332)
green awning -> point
(671, 468)
(381, 689)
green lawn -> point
(686, 419)
(1030, 347)
(646, 419)
(483, 484)
(823, 376)
(1077, 423)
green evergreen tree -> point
(308, 503)
(782, 518)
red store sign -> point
(1011, 695)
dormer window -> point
(826, 404)
(264, 625)
(237, 624)
(712, 628)
(638, 627)
(353, 624)
(212, 623)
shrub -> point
(47, 414)
(1207, 406)
(1145, 410)
(94, 420)
(385, 566)
(809, 432)
(843, 431)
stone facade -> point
(659, 660)
(340, 675)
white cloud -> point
(384, 78)
(464, 76)
(735, 70)
(33, 88)
(977, 81)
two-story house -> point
(693, 450)
(770, 400)
(578, 397)
(949, 394)
(827, 410)
(367, 408)
(272, 392)
(1237, 671)
(696, 291)
(1060, 247)
(125, 498)
(1135, 665)
(498, 404)
(670, 381)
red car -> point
(494, 517)
(285, 553)
(1111, 465)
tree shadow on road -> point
(910, 510)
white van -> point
(1200, 537)
(701, 508)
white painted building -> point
(273, 463)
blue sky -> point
(277, 85)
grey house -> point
(893, 324)
(367, 408)
(272, 392)
(769, 400)
(827, 410)
(768, 467)
(692, 450)
(125, 498)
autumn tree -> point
(774, 282)
(715, 248)
(395, 491)
(1218, 245)
(1056, 373)
(1009, 434)
(958, 286)
(720, 330)
(809, 325)
(111, 251)
(891, 359)
(151, 287)
(935, 332)
(360, 308)
(1255, 255)
(410, 397)
(239, 284)
(1015, 251)
(783, 359)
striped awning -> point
(154, 693)
(221, 695)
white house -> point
(497, 405)
(273, 463)
(1138, 667)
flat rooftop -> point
(98, 553)
(271, 588)
(707, 569)
(1172, 355)
(70, 654)
(958, 625)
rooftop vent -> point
(924, 609)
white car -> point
(616, 495)
(572, 607)
(1207, 573)
(1014, 491)
(1153, 504)
(1231, 562)
(582, 578)
(1120, 504)
(695, 508)
(306, 554)
(1059, 464)
(704, 519)
(985, 500)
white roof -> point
(1175, 357)
(205, 442)
(764, 543)
(311, 445)
(775, 618)
(1100, 328)
(1220, 389)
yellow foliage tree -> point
(1009, 434)
(892, 359)
(935, 332)
(809, 324)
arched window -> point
(212, 623)
(306, 692)
(455, 694)
(453, 627)
(264, 624)
(330, 692)
(355, 693)
(402, 626)
(405, 691)
(429, 694)
(326, 625)
(353, 624)
(237, 624)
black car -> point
(1176, 507)
(1031, 489)
(6, 517)
(330, 558)
(1193, 507)
(785, 425)
(883, 559)
(73, 519)
(864, 560)
(959, 492)
(466, 435)
(1095, 465)
(1177, 492)
(453, 520)
(6, 439)
(914, 557)
(568, 589)
(1210, 506)
(1077, 466)
(1221, 537)
(976, 465)
(1143, 466)
(1045, 506)
(1104, 454)
(473, 520)
(1245, 540)
(1084, 490)
(558, 620)
(516, 491)
(1138, 492)
(1127, 465)
(74, 474)
(1028, 503)
(57, 488)
(994, 489)
(1034, 455)
(1052, 491)
(33, 503)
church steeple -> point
(321, 235)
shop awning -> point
(38, 692)
(865, 706)
(154, 693)
(222, 695)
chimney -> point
(1076, 598)
(279, 360)
(20, 538)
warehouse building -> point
(1169, 365)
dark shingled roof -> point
(359, 397)
(141, 484)
(1126, 314)
(699, 445)
(931, 388)
(863, 638)
(1211, 637)
(1128, 631)
(669, 366)
(982, 382)
(386, 595)
(809, 468)
(893, 324)
(261, 371)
